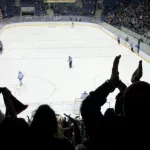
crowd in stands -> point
(87, 9)
(125, 126)
(40, 7)
(134, 15)
(9, 9)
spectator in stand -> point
(13, 130)
(129, 125)
(2, 117)
(43, 131)
(65, 123)
(133, 15)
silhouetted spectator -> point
(43, 129)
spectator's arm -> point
(77, 135)
(90, 108)
(119, 98)
(2, 117)
(138, 73)
(8, 103)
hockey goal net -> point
(78, 102)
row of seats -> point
(9, 9)
(88, 8)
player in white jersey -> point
(20, 77)
(84, 95)
(72, 24)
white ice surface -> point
(41, 53)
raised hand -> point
(1, 90)
(6, 93)
(121, 86)
(115, 73)
(138, 73)
(10, 110)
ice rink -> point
(41, 53)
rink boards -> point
(142, 54)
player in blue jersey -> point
(70, 62)
(118, 39)
(138, 48)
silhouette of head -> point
(110, 113)
(44, 121)
(137, 100)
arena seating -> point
(9, 9)
(133, 15)
(88, 8)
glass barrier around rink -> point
(134, 40)
(50, 18)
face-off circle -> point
(35, 90)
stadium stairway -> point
(79, 3)
(50, 12)
(98, 13)
(1, 15)
(17, 2)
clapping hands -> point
(115, 73)
(138, 73)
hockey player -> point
(72, 24)
(70, 19)
(118, 39)
(84, 95)
(138, 48)
(1, 47)
(70, 62)
(127, 39)
(20, 77)
(131, 47)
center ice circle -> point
(35, 90)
